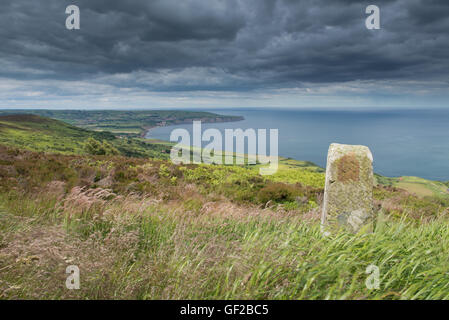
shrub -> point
(277, 192)
(96, 147)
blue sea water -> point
(403, 142)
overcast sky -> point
(223, 53)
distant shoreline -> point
(403, 143)
(134, 123)
(222, 119)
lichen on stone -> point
(348, 168)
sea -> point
(403, 142)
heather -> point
(148, 229)
(141, 227)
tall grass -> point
(141, 248)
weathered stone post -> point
(348, 191)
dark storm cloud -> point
(224, 44)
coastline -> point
(219, 119)
(413, 184)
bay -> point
(403, 142)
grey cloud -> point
(236, 44)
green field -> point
(416, 185)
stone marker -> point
(348, 192)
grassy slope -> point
(49, 135)
(165, 252)
(198, 232)
(195, 232)
(44, 134)
(419, 186)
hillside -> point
(126, 123)
(293, 180)
(143, 228)
(147, 229)
(37, 133)
(49, 135)
(156, 230)
(44, 134)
